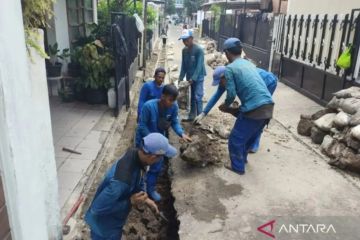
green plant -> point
(35, 15)
(216, 12)
(97, 65)
(53, 53)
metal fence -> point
(125, 46)
(306, 48)
(254, 30)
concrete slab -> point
(80, 127)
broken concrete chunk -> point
(355, 132)
(350, 160)
(342, 119)
(326, 122)
(223, 132)
(335, 149)
(327, 143)
(317, 135)
(304, 127)
(305, 116)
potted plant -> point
(97, 64)
(54, 66)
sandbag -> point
(350, 105)
(348, 93)
(355, 119)
(326, 122)
(334, 103)
(342, 119)
(355, 132)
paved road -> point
(288, 181)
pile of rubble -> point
(209, 45)
(207, 147)
(216, 59)
(337, 129)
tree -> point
(170, 7)
(192, 6)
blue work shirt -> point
(243, 80)
(150, 116)
(269, 79)
(150, 90)
(111, 205)
(192, 65)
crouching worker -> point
(122, 188)
(152, 89)
(158, 115)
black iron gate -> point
(125, 46)
(254, 30)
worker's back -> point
(249, 86)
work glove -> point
(199, 118)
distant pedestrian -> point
(123, 187)
(152, 89)
(164, 36)
(193, 68)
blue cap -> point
(186, 34)
(157, 144)
(231, 42)
(218, 73)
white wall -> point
(27, 160)
(322, 6)
(61, 24)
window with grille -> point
(80, 15)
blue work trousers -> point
(94, 236)
(244, 133)
(197, 93)
(254, 146)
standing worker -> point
(158, 115)
(121, 188)
(163, 36)
(257, 106)
(193, 67)
(152, 89)
(219, 80)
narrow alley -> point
(179, 120)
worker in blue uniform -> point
(219, 80)
(257, 106)
(158, 115)
(122, 188)
(152, 89)
(193, 68)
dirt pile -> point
(145, 225)
(207, 146)
(337, 129)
